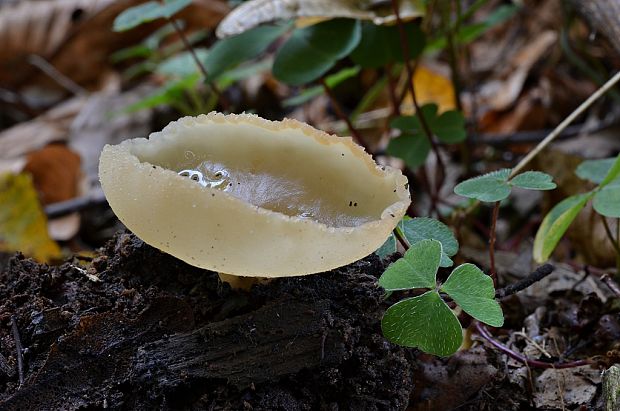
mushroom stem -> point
(237, 282)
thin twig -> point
(535, 276)
(401, 239)
(392, 90)
(613, 286)
(201, 67)
(53, 73)
(19, 349)
(340, 113)
(492, 237)
(484, 333)
(556, 132)
(425, 127)
(613, 242)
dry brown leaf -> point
(22, 222)
(530, 113)
(76, 38)
(557, 389)
(55, 171)
(500, 94)
(255, 12)
(86, 123)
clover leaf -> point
(496, 185)
(473, 291)
(417, 229)
(426, 321)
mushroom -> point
(246, 196)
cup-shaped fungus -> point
(250, 197)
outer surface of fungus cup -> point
(255, 197)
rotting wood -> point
(611, 388)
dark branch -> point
(537, 275)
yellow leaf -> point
(23, 226)
(432, 87)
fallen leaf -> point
(55, 171)
(22, 222)
(432, 85)
(252, 13)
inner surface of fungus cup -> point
(250, 197)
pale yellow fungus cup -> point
(255, 197)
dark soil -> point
(138, 329)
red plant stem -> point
(354, 133)
(484, 333)
(223, 101)
(404, 43)
(492, 237)
(402, 240)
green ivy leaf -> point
(595, 170)
(311, 51)
(417, 268)
(147, 12)
(489, 187)
(555, 224)
(613, 173)
(424, 228)
(232, 51)
(388, 248)
(473, 291)
(607, 200)
(380, 44)
(533, 180)
(425, 322)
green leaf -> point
(533, 180)
(417, 268)
(167, 94)
(595, 170)
(425, 322)
(613, 173)
(424, 228)
(473, 291)
(232, 51)
(311, 51)
(449, 127)
(388, 248)
(243, 71)
(412, 148)
(607, 200)
(181, 65)
(147, 12)
(555, 224)
(332, 81)
(380, 44)
(489, 187)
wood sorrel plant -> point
(426, 321)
